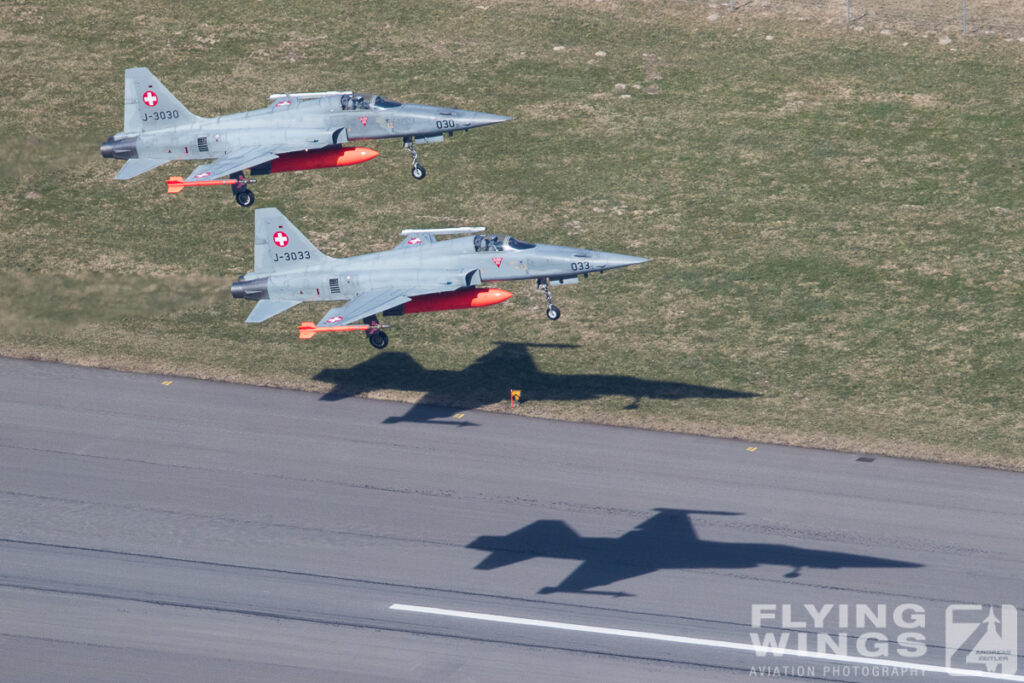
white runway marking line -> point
(702, 642)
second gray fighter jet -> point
(295, 131)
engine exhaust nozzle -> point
(254, 289)
(125, 148)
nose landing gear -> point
(553, 313)
(418, 172)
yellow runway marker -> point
(751, 448)
(167, 383)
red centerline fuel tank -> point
(317, 158)
(447, 301)
(291, 161)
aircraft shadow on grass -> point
(665, 541)
(489, 378)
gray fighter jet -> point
(296, 131)
(421, 274)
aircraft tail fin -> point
(148, 105)
(279, 245)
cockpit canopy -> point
(499, 243)
(360, 101)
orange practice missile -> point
(309, 329)
(176, 184)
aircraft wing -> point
(364, 305)
(239, 160)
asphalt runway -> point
(165, 529)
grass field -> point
(833, 216)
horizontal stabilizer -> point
(502, 558)
(134, 167)
(266, 309)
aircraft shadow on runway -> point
(665, 541)
(489, 378)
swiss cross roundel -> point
(280, 238)
(150, 98)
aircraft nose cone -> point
(475, 119)
(607, 260)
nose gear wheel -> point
(418, 172)
(552, 312)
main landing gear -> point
(418, 172)
(375, 335)
(553, 313)
(243, 195)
